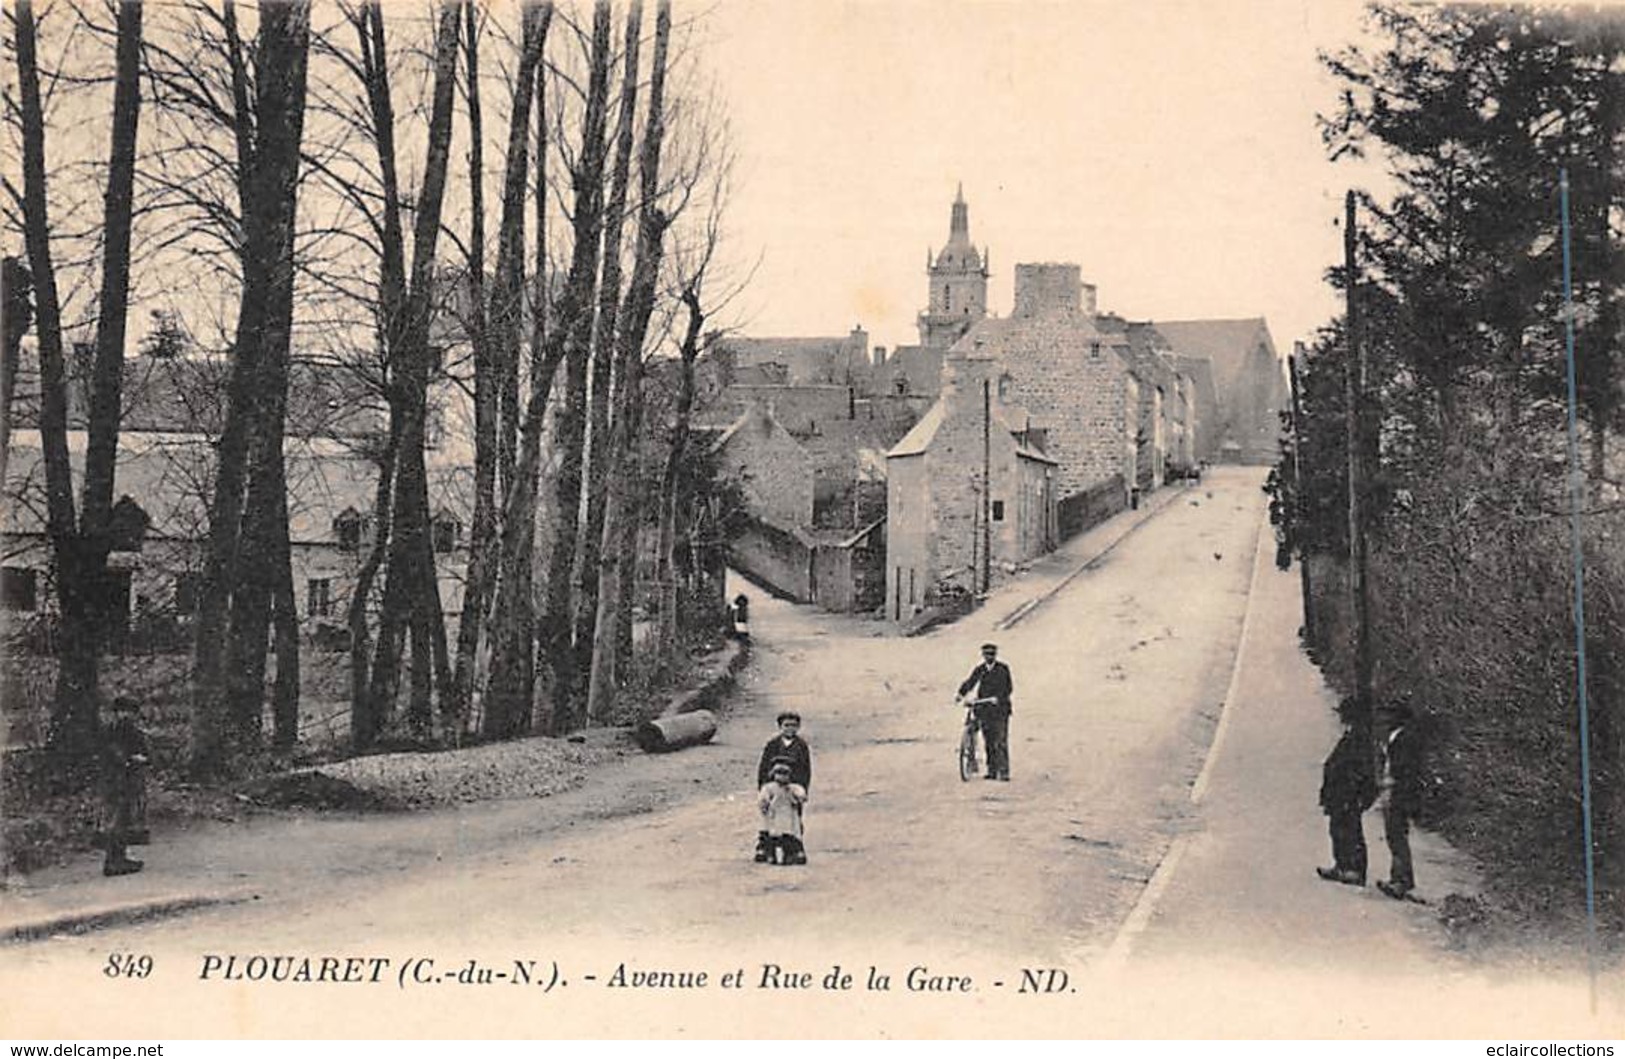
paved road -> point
(1118, 683)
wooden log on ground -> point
(676, 731)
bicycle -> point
(967, 741)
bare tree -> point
(620, 521)
(248, 560)
(570, 692)
(511, 687)
(411, 599)
(80, 547)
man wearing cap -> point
(991, 681)
(1402, 783)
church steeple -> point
(956, 296)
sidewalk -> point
(206, 864)
(1016, 600)
(1237, 931)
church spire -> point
(959, 222)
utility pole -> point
(1296, 512)
(987, 496)
(1576, 499)
(1354, 421)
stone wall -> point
(774, 557)
(1075, 385)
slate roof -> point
(170, 476)
(918, 440)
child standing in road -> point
(781, 801)
(788, 746)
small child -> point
(124, 782)
(781, 802)
(786, 745)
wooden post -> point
(1353, 415)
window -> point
(347, 528)
(1094, 351)
(319, 597)
(18, 589)
(188, 585)
(998, 511)
(446, 530)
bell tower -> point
(956, 292)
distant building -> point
(1249, 383)
(965, 484)
(840, 360)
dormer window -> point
(347, 528)
(127, 525)
(446, 530)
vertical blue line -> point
(1576, 491)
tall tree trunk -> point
(512, 670)
(410, 587)
(666, 577)
(483, 531)
(366, 721)
(507, 699)
(279, 130)
(80, 547)
(620, 521)
(603, 360)
(248, 516)
(285, 694)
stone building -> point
(163, 482)
(969, 448)
(814, 528)
(1249, 385)
(1073, 382)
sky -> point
(1168, 148)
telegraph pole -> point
(987, 496)
(1297, 510)
(1354, 384)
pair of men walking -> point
(1352, 782)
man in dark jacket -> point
(786, 746)
(1402, 781)
(1348, 788)
(991, 681)
(124, 778)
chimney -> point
(1049, 288)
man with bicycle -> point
(992, 684)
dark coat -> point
(1348, 779)
(123, 741)
(991, 682)
(1405, 750)
(800, 755)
